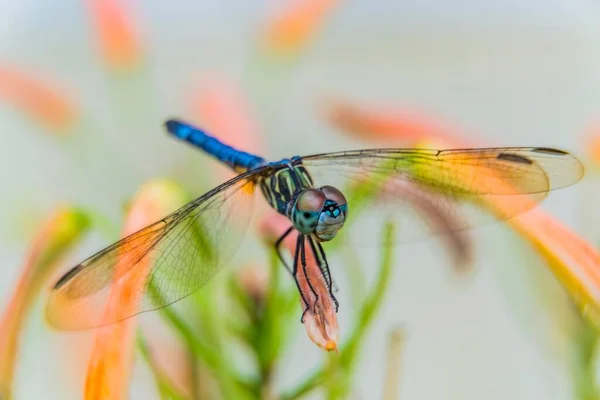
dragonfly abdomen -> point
(239, 161)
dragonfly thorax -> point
(321, 212)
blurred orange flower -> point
(110, 363)
(116, 33)
(254, 281)
(36, 98)
(437, 215)
(223, 112)
(296, 23)
(320, 319)
(573, 261)
(385, 125)
(57, 236)
(593, 145)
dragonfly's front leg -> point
(297, 257)
(303, 259)
(319, 254)
(280, 255)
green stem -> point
(270, 332)
(585, 372)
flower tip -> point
(324, 332)
(331, 346)
(295, 25)
(117, 34)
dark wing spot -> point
(548, 150)
(67, 277)
(514, 158)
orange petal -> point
(574, 262)
(593, 146)
(386, 125)
(320, 319)
(116, 33)
(36, 98)
(110, 364)
(57, 236)
(296, 23)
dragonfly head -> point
(320, 211)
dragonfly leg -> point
(299, 242)
(319, 253)
(303, 259)
(278, 249)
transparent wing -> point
(441, 191)
(171, 258)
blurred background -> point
(83, 99)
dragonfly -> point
(315, 193)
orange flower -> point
(593, 146)
(386, 125)
(573, 261)
(116, 33)
(294, 26)
(56, 238)
(112, 355)
(36, 98)
(320, 319)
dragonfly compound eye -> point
(334, 195)
(306, 211)
(334, 214)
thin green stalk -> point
(586, 385)
(270, 333)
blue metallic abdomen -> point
(239, 161)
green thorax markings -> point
(281, 187)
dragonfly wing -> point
(449, 190)
(174, 256)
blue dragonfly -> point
(189, 246)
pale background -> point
(509, 72)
